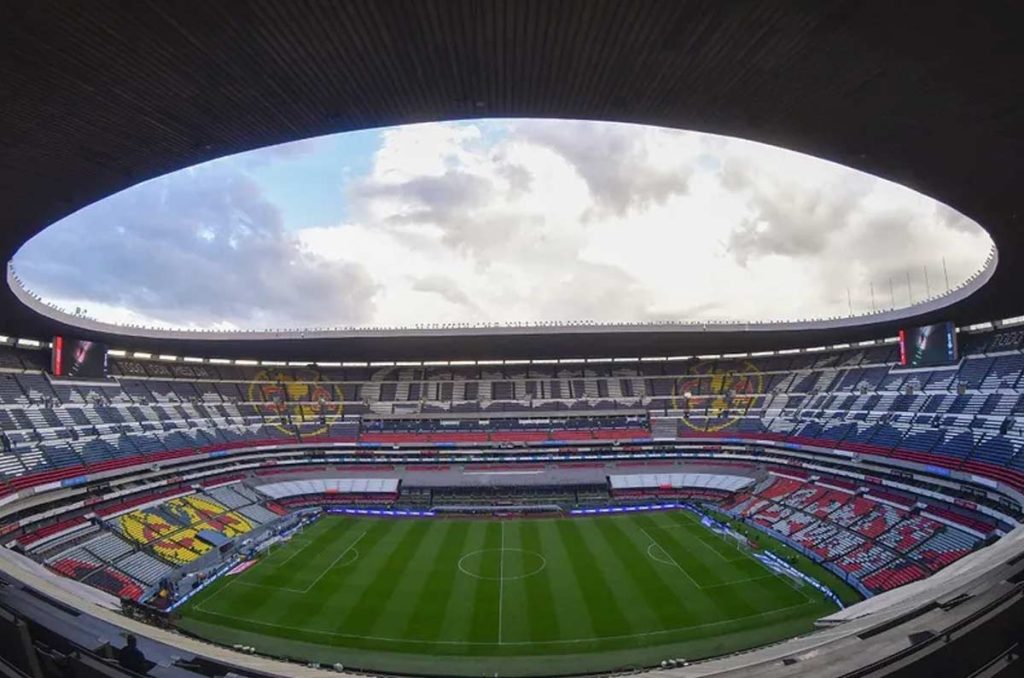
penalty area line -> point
(335, 562)
(672, 560)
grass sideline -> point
(846, 593)
(506, 597)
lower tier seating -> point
(880, 545)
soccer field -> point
(506, 597)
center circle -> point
(502, 564)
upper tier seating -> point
(961, 417)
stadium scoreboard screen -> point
(78, 358)
(929, 345)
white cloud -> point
(554, 220)
(546, 223)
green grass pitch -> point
(506, 597)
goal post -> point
(737, 539)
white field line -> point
(302, 544)
(762, 577)
(669, 556)
(743, 556)
(274, 587)
(697, 530)
(269, 587)
(501, 579)
(335, 561)
(673, 561)
(567, 641)
(200, 606)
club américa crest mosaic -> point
(298, 395)
(714, 399)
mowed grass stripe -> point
(328, 585)
(259, 596)
(262, 609)
(663, 590)
(414, 602)
(280, 554)
(568, 602)
(483, 607)
(333, 548)
(626, 590)
(708, 569)
(528, 612)
(705, 565)
(440, 574)
(373, 597)
(774, 591)
(396, 613)
(606, 615)
(724, 579)
(286, 567)
(721, 546)
(455, 615)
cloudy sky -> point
(501, 221)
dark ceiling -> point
(97, 96)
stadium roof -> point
(100, 97)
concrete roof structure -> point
(99, 97)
